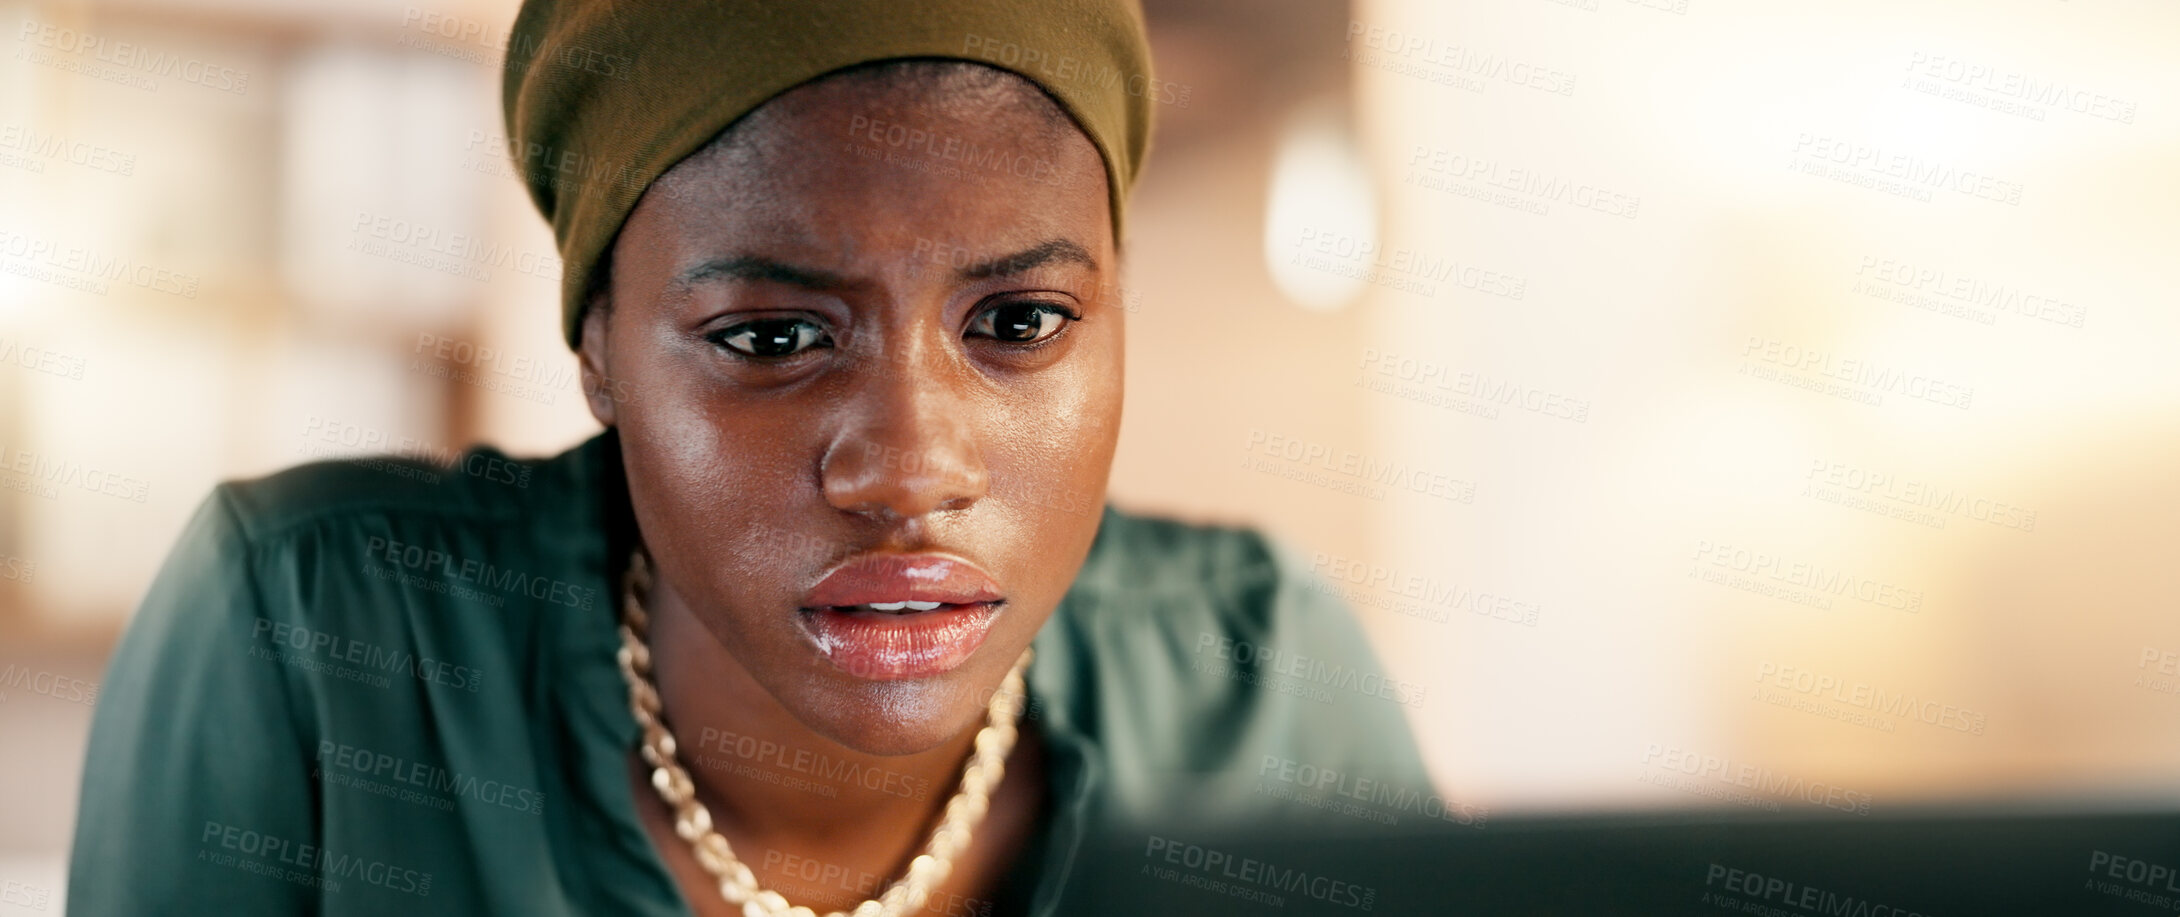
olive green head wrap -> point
(603, 96)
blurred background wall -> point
(1676, 388)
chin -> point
(897, 717)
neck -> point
(773, 783)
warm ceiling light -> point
(1321, 215)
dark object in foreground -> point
(1938, 863)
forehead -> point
(849, 168)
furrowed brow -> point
(761, 269)
(1048, 252)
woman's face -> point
(874, 335)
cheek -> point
(1055, 447)
(712, 474)
(691, 448)
(1087, 408)
(708, 451)
(1084, 423)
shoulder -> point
(414, 578)
(434, 529)
(1137, 552)
(1206, 584)
(391, 610)
(1198, 655)
(481, 484)
(1158, 597)
(375, 570)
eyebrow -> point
(1047, 252)
(753, 267)
(759, 268)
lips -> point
(887, 617)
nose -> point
(910, 447)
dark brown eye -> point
(1020, 322)
(772, 338)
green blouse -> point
(380, 686)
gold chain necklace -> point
(693, 821)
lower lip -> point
(889, 647)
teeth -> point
(899, 606)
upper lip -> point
(919, 577)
